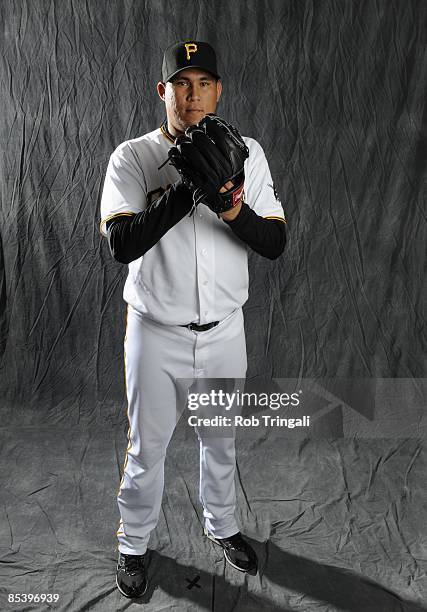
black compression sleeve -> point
(131, 237)
(265, 236)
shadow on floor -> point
(283, 583)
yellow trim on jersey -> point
(124, 214)
(166, 134)
(277, 218)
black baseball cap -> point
(188, 54)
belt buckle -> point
(202, 328)
(192, 326)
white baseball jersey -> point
(198, 271)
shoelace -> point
(235, 541)
(133, 563)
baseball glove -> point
(207, 156)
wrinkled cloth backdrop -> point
(335, 92)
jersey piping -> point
(120, 214)
(164, 131)
(277, 218)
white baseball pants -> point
(156, 358)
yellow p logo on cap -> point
(190, 48)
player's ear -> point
(161, 88)
(218, 89)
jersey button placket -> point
(204, 262)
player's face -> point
(191, 95)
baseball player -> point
(184, 228)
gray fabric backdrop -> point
(334, 91)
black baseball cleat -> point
(131, 577)
(237, 552)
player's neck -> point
(172, 131)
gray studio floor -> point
(337, 524)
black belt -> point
(199, 328)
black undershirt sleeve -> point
(265, 236)
(131, 237)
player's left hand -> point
(210, 157)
